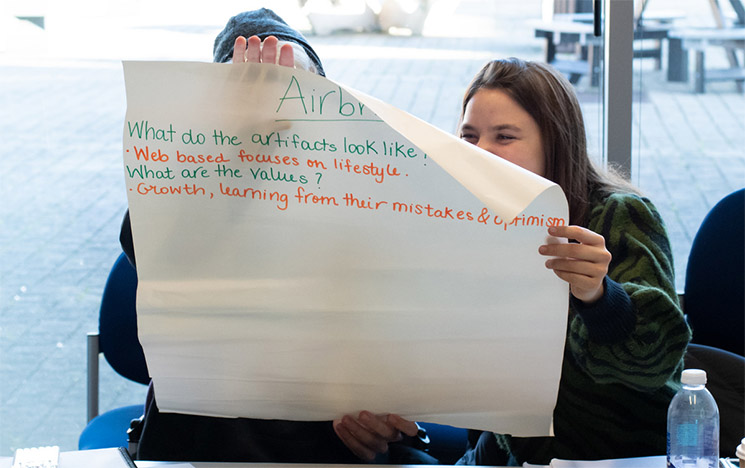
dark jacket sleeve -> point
(643, 349)
(611, 318)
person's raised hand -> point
(583, 264)
(368, 434)
(255, 50)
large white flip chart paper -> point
(305, 251)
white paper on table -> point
(637, 462)
(417, 290)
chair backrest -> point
(117, 323)
(725, 375)
(715, 277)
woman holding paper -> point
(626, 335)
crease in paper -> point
(367, 260)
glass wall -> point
(688, 133)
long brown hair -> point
(550, 100)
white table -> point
(77, 460)
(106, 458)
(146, 464)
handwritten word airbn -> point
(311, 103)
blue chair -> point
(725, 375)
(715, 277)
(117, 341)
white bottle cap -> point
(693, 377)
(741, 452)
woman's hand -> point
(369, 434)
(253, 50)
(583, 264)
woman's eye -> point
(469, 137)
(505, 137)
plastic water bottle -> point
(693, 424)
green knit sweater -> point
(624, 354)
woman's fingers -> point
(352, 442)
(410, 428)
(577, 233)
(580, 280)
(253, 50)
(354, 446)
(593, 253)
(589, 246)
(287, 56)
(359, 439)
(379, 427)
(368, 435)
(269, 50)
(582, 263)
(239, 50)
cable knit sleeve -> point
(636, 334)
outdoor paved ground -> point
(62, 188)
